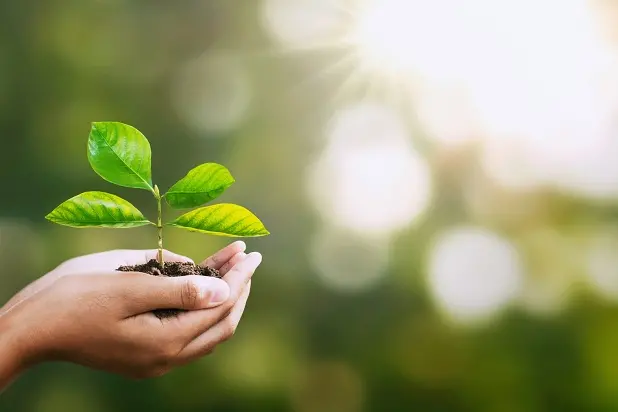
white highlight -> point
(473, 274)
(370, 179)
(425, 38)
(535, 79)
(302, 23)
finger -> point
(221, 257)
(193, 324)
(219, 333)
(141, 292)
(241, 273)
(237, 258)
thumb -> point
(147, 292)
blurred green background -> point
(440, 180)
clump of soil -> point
(171, 269)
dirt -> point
(171, 269)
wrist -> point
(12, 361)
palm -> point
(110, 261)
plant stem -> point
(159, 226)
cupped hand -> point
(111, 260)
(87, 313)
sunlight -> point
(369, 178)
(542, 98)
(474, 274)
(302, 23)
(384, 34)
(434, 39)
(549, 97)
(535, 83)
(451, 40)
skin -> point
(87, 313)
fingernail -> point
(240, 245)
(218, 289)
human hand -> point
(110, 261)
(104, 320)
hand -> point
(108, 262)
(102, 318)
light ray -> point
(344, 60)
(355, 79)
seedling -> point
(121, 154)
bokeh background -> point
(440, 180)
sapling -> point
(121, 154)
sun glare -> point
(427, 39)
(378, 182)
(536, 81)
(384, 34)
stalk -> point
(159, 225)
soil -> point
(171, 269)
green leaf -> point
(97, 209)
(120, 154)
(199, 186)
(222, 220)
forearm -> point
(10, 358)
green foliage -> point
(200, 186)
(98, 209)
(223, 220)
(121, 154)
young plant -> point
(120, 154)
